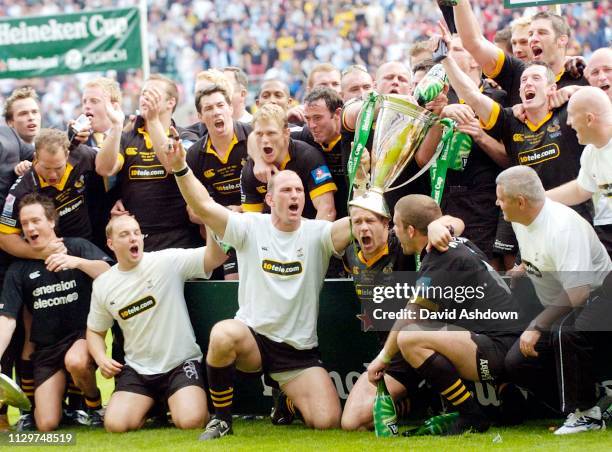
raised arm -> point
(484, 52)
(197, 198)
(341, 234)
(108, 162)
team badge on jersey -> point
(321, 174)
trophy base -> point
(374, 201)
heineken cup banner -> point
(69, 43)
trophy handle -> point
(431, 161)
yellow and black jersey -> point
(332, 152)
(307, 162)
(551, 147)
(508, 71)
(148, 191)
(68, 195)
(221, 177)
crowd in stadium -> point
(105, 217)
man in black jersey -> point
(60, 175)
(377, 254)
(445, 336)
(322, 109)
(218, 157)
(57, 292)
(147, 189)
(469, 192)
(548, 39)
(545, 141)
(275, 147)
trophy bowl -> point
(401, 127)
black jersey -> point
(68, 195)
(551, 147)
(307, 162)
(508, 71)
(460, 287)
(377, 270)
(332, 152)
(190, 134)
(221, 177)
(58, 301)
(148, 191)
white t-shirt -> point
(596, 176)
(561, 251)
(281, 275)
(148, 302)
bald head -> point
(599, 70)
(589, 113)
(393, 77)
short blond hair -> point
(215, 77)
(52, 141)
(271, 112)
(109, 226)
(108, 85)
(520, 22)
(323, 67)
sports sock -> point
(94, 403)
(221, 386)
(442, 375)
(26, 380)
(75, 395)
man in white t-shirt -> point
(143, 292)
(284, 258)
(567, 264)
(589, 113)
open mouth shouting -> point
(605, 86)
(219, 125)
(134, 251)
(294, 207)
(268, 150)
(529, 94)
(537, 52)
(31, 238)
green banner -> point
(69, 43)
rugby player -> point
(286, 258)
(143, 292)
(57, 293)
(355, 82)
(459, 345)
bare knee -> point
(46, 422)
(118, 425)
(409, 342)
(223, 337)
(354, 420)
(77, 363)
(326, 420)
(187, 421)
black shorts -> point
(604, 233)
(505, 240)
(281, 357)
(405, 374)
(46, 361)
(160, 386)
(490, 355)
(231, 264)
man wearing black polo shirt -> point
(218, 157)
(276, 148)
(57, 292)
(548, 39)
(147, 190)
(458, 343)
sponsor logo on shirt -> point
(532, 269)
(8, 221)
(131, 151)
(262, 189)
(229, 186)
(35, 274)
(605, 189)
(209, 173)
(518, 137)
(52, 289)
(539, 155)
(70, 206)
(7, 211)
(138, 307)
(321, 174)
(80, 182)
(147, 172)
(281, 268)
